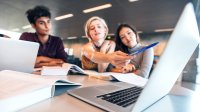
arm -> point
(60, 51)
(107, 47)
(46, 61)
(146, 64)
(23, 36)
(116, 58)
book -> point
(130, 78)
(124, 77)
(63, 70)
(19, 90)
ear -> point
(33, 26)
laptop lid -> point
(181, 45)
(17, 55)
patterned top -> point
(87, 63)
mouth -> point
(46, 30)
(97, 34)
(130, 41)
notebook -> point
(17, 55)
(181, 45)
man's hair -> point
(37, 12)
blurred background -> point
(154, 20)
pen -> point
(143, 49)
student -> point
(51, 51)
(128, 41)
(98, 52)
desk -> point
(65, 102)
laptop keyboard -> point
(123, 97)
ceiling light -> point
(97, 8)
(139, 31)
(26, 27)
(72, 37)
(164, 30)
(111, 34)
(63, 17)
(133, 0)
(84, 36)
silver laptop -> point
(17, 55)
(181, 45)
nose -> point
(47, 25)
(96, 29)
(127, 37)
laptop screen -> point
(18, 55)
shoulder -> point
(26, 35)
(56, 39)
(88, 46)
(110, 41)
(149, 51)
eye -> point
(99, 26)
(41, 23)
(91, 28)
(129, 33)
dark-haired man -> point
(51, 51)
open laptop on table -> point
(181, 45)
(17, 55)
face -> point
(42, 25)
(128, 37)
(97, 31)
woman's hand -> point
(128, 68)
(119, 59)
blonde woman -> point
(98, 52)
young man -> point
(51, 51)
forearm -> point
(102, 67)
(146, 64)
(98, 57)
(39, 65)
(46, 61)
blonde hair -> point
(89, 21)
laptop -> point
(115, 97)
(18, 55)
